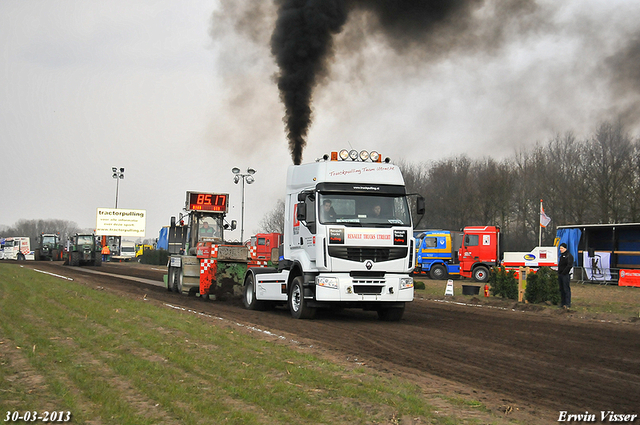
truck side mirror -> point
(234, 224)
(420, 205)
(301, 212)
(173, 222)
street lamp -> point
(118, 174)
(249, 179)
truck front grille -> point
(361, 254)
(367, 289)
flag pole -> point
(540, 227)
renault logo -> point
(368, 264)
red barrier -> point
(629, 278)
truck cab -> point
(18, 248)
(480, 251)
(348, 240)
(437, 253)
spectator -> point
(565, 264)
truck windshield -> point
(363, 209)
(51, 240)
(85, 240)
(209, 229)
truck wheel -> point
(170, 278)
(297, 303)
(438, 272)
(393, 314)
(177, 281)
(74, 259)
(249, 299)
(481, 274)
(98, 261)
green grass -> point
(109, 359)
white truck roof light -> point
(354, 155)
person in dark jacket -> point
(565, 264)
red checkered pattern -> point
(205, 264)
(253, 251)
(214, 251)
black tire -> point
(393, 314)
(297, 303)
(177, 281)
(249, 295)
(98, 261)
(36, 255)
(170, 278)
(74, 259)
(438, 272)
(481, 274)
(20, 256)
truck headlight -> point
(327, 282)
(406, 282)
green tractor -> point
(48, 248)
(85, 250)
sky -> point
(179, 93)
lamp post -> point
(249, 179)
(118, 174)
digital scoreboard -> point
(214, 202)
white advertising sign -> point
(120, 222)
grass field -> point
(107, 359)
(591, 301)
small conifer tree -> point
(542, 286)
(503, 283)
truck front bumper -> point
(344, 288)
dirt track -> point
(532, 363)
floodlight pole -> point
(118, 174)
(249, 178)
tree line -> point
(34, 228)
(582, 181)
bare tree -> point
(34, 228)
(415, 178)
(273, 221)
(610, 155)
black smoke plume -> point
(302, 44)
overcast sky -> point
(178, 93)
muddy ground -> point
(528, 364)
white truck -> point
(348, 240)
(128, 250)
(18, 248)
